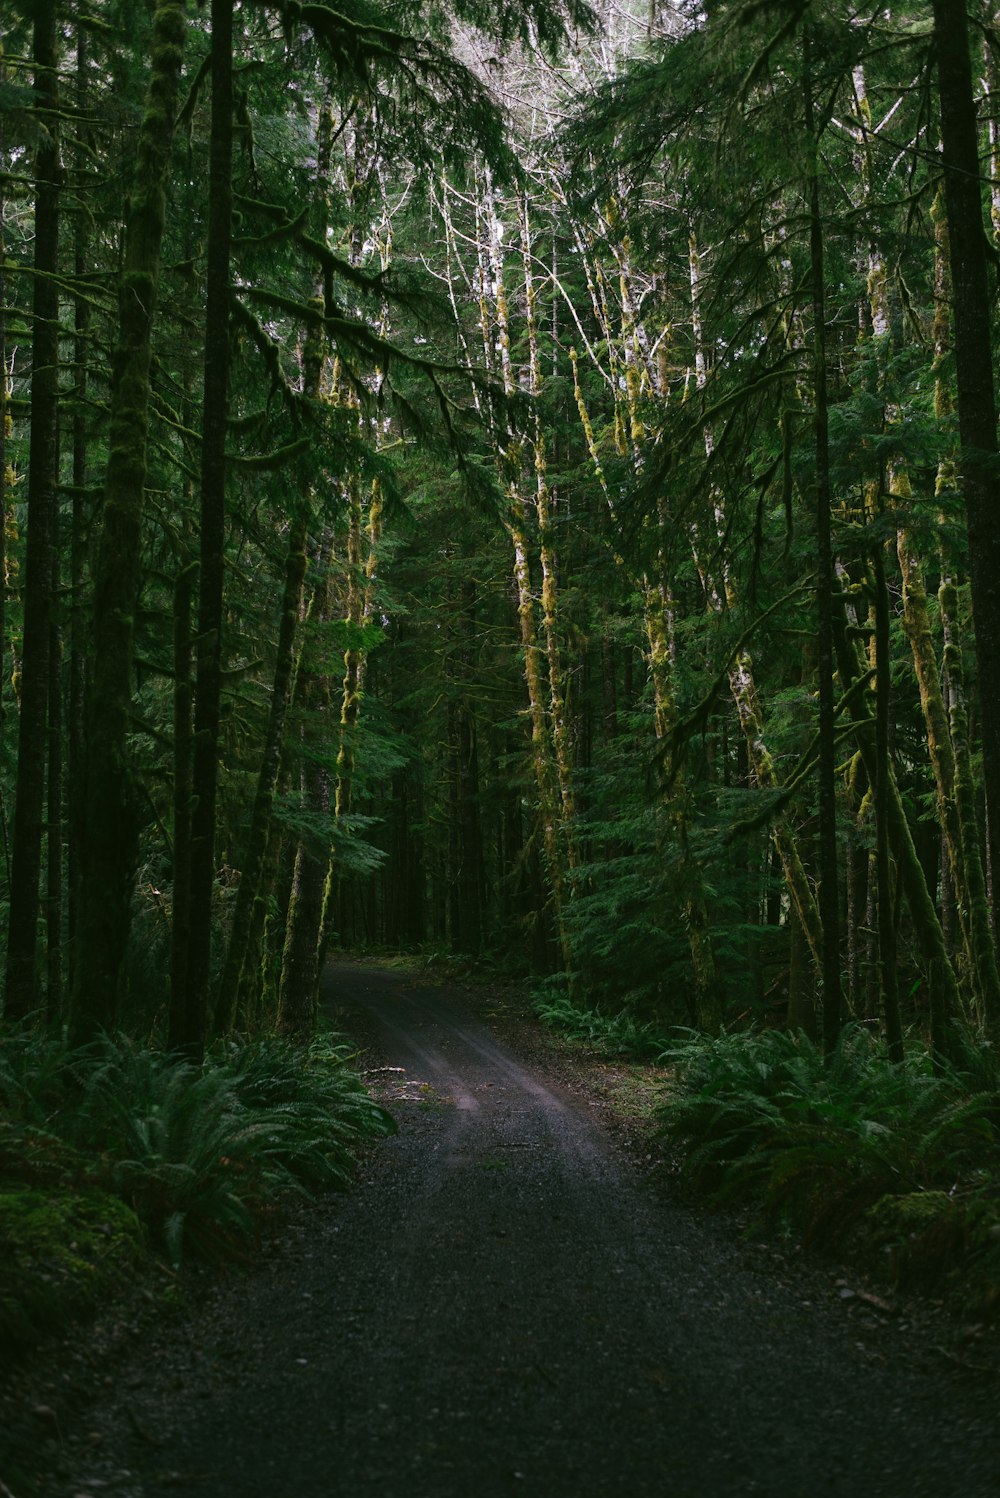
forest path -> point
(505, 1307)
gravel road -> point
(504, 1306)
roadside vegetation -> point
(893, 1165)
(115, 1157)
(518, 482)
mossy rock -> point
(924, 1235)
(60, 1252)
(977, 1287)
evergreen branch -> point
(275, 459)
(675, 743)
(284, 230)
(781, 798)
(186, 111)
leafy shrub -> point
(613, 1034)
(197, 1151)
(898, 1155)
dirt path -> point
(503, 1307)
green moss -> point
(60, 1250)
(942, 1245)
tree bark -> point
(181, 1023)
(829, 900)
(109, 821)
(43, 465)
(215, 404)
(977, 415)
(252, 860)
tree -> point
(43, 464)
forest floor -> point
(512, 1302)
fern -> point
(197, 1151)
(761, 1117)
(613, 1034)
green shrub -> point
(896, 1155)
(613, 1034)
(198, 1152)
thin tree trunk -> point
(829, 901)
(550, 590)
(43, 473)
(307, 895)
(252, 860)
(926, 924)
(76, 745)
(54, 816)
(509, 461)
(208, 683)
(181, 1022)
(886, 927)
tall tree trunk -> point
(307, 895)
(829, 901)
(208, 684)
(973, 889)
(252, 860)
(926, 924)
(657, 621)
(77, 738)
(43, 474)
(109, 821)
(181, 1022)
(6, 424)
(883, 861)
(547, 557)
(977, 414)
(54, 814)
(509, 451)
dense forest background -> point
(513, 482)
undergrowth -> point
(614, 1035)
(121, 1149)
(900, 1160)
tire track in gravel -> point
(504, 1307)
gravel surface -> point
(506, 1306)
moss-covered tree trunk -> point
(306, 898)
(107, 851)
(551, 626)
(828, 899)
(215, 404)
(977, 922)
(509, 457)
(6, 423)
(977, 413)
(76, 757)
(252, 860)
(929, 938)
(43, 474)
(181, 1023)
(54, 826)
(883, 858)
